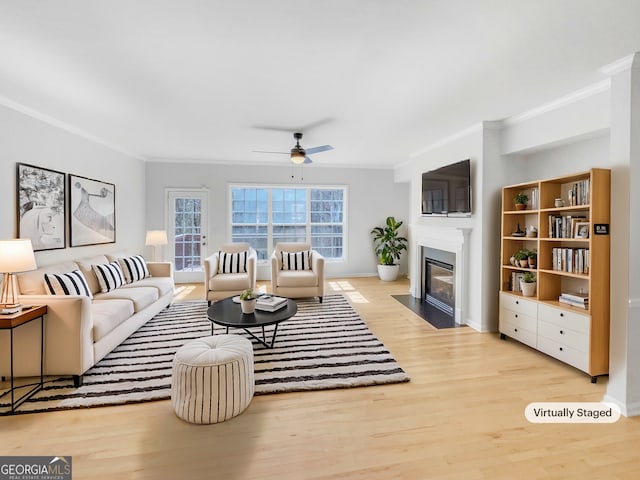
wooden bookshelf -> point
(566, 264)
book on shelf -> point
(270, 303)
(576, 297)
(572, 303)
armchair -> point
(225, 272)
(297, 271)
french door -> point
(187, 232)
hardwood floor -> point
(460, 417)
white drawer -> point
(564, 336)
(564, 318)
(518, 304)
(517, 332)
(518, 319)
(564, 353)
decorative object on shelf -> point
(521, 200)
(528, 284)
(522, 258)
(518, 232)
(513, 261)
(388, 246)
(532, 257)
(156, 239)
(559, 203)
(248, 301)
(15, 256)
(532, 232)
(41, 206)
(582, 230)
(93, 211)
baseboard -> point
(628, 410)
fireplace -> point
(439, 287)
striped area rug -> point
(323, 346)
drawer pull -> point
(517, 302)
(561, 332)
(561, 349)
(516, 315)
(561, 314)
(515, 329)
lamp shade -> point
(297, 157)
(16, 256)
(156, 237)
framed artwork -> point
(92, 211)
(582, 230)
(41, 206)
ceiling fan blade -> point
(265, 151)
(307, 160)
(322, 148)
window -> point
(264, 216)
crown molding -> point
(30, 112)
(476, 127)
(620, 65)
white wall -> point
(372, 196)
(24, 139)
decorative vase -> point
(388, 273)
(528, 289)
(248, 306)
(521, 206)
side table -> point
(11, 322)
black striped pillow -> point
(134, 268)
(296, 260)
(109, 275)
(232, 262)
(72, 283)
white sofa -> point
(79, 331)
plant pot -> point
(521, 206)
(388, 273)
(524, 263)
(528, 289)
(532, 262)
(248, 306)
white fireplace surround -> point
(454, 240)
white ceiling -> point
(197, 80)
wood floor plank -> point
(460, 417)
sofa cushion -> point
(71, 283)
(229, 282)
(297, 278)
(141, 297)
(109, 275)
(32, 283)
(296, 260)
(134, 268)
(86, 267)
(164, 285)
(108, 314)
(235, 262)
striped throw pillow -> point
(232, 262)
(296, 260)
(109, 275)
(134, 268)
(72, 283)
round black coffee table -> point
(229, 314)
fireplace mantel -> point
(449, 239)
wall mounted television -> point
(446, 191)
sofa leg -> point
(320, 298)
(77, 381)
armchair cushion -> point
(295, 260)
(235, 262)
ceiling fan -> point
(298, 153)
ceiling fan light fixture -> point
(297, 155)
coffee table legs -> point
(263, 340)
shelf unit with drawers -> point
(572, 244)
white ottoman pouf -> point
(212, 378)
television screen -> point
(447, 190)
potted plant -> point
(248, 301)
(532, 257)
(388, 247)
(522, 258)
(521, 200)
(528, 284)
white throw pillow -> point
(232, 262)
(72, 283)
(109, 275)
(296, 260)
(134, 268)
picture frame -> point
(582, 230)
(92, 211)
(40, 205)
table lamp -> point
(15, 256)
(156, 238)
